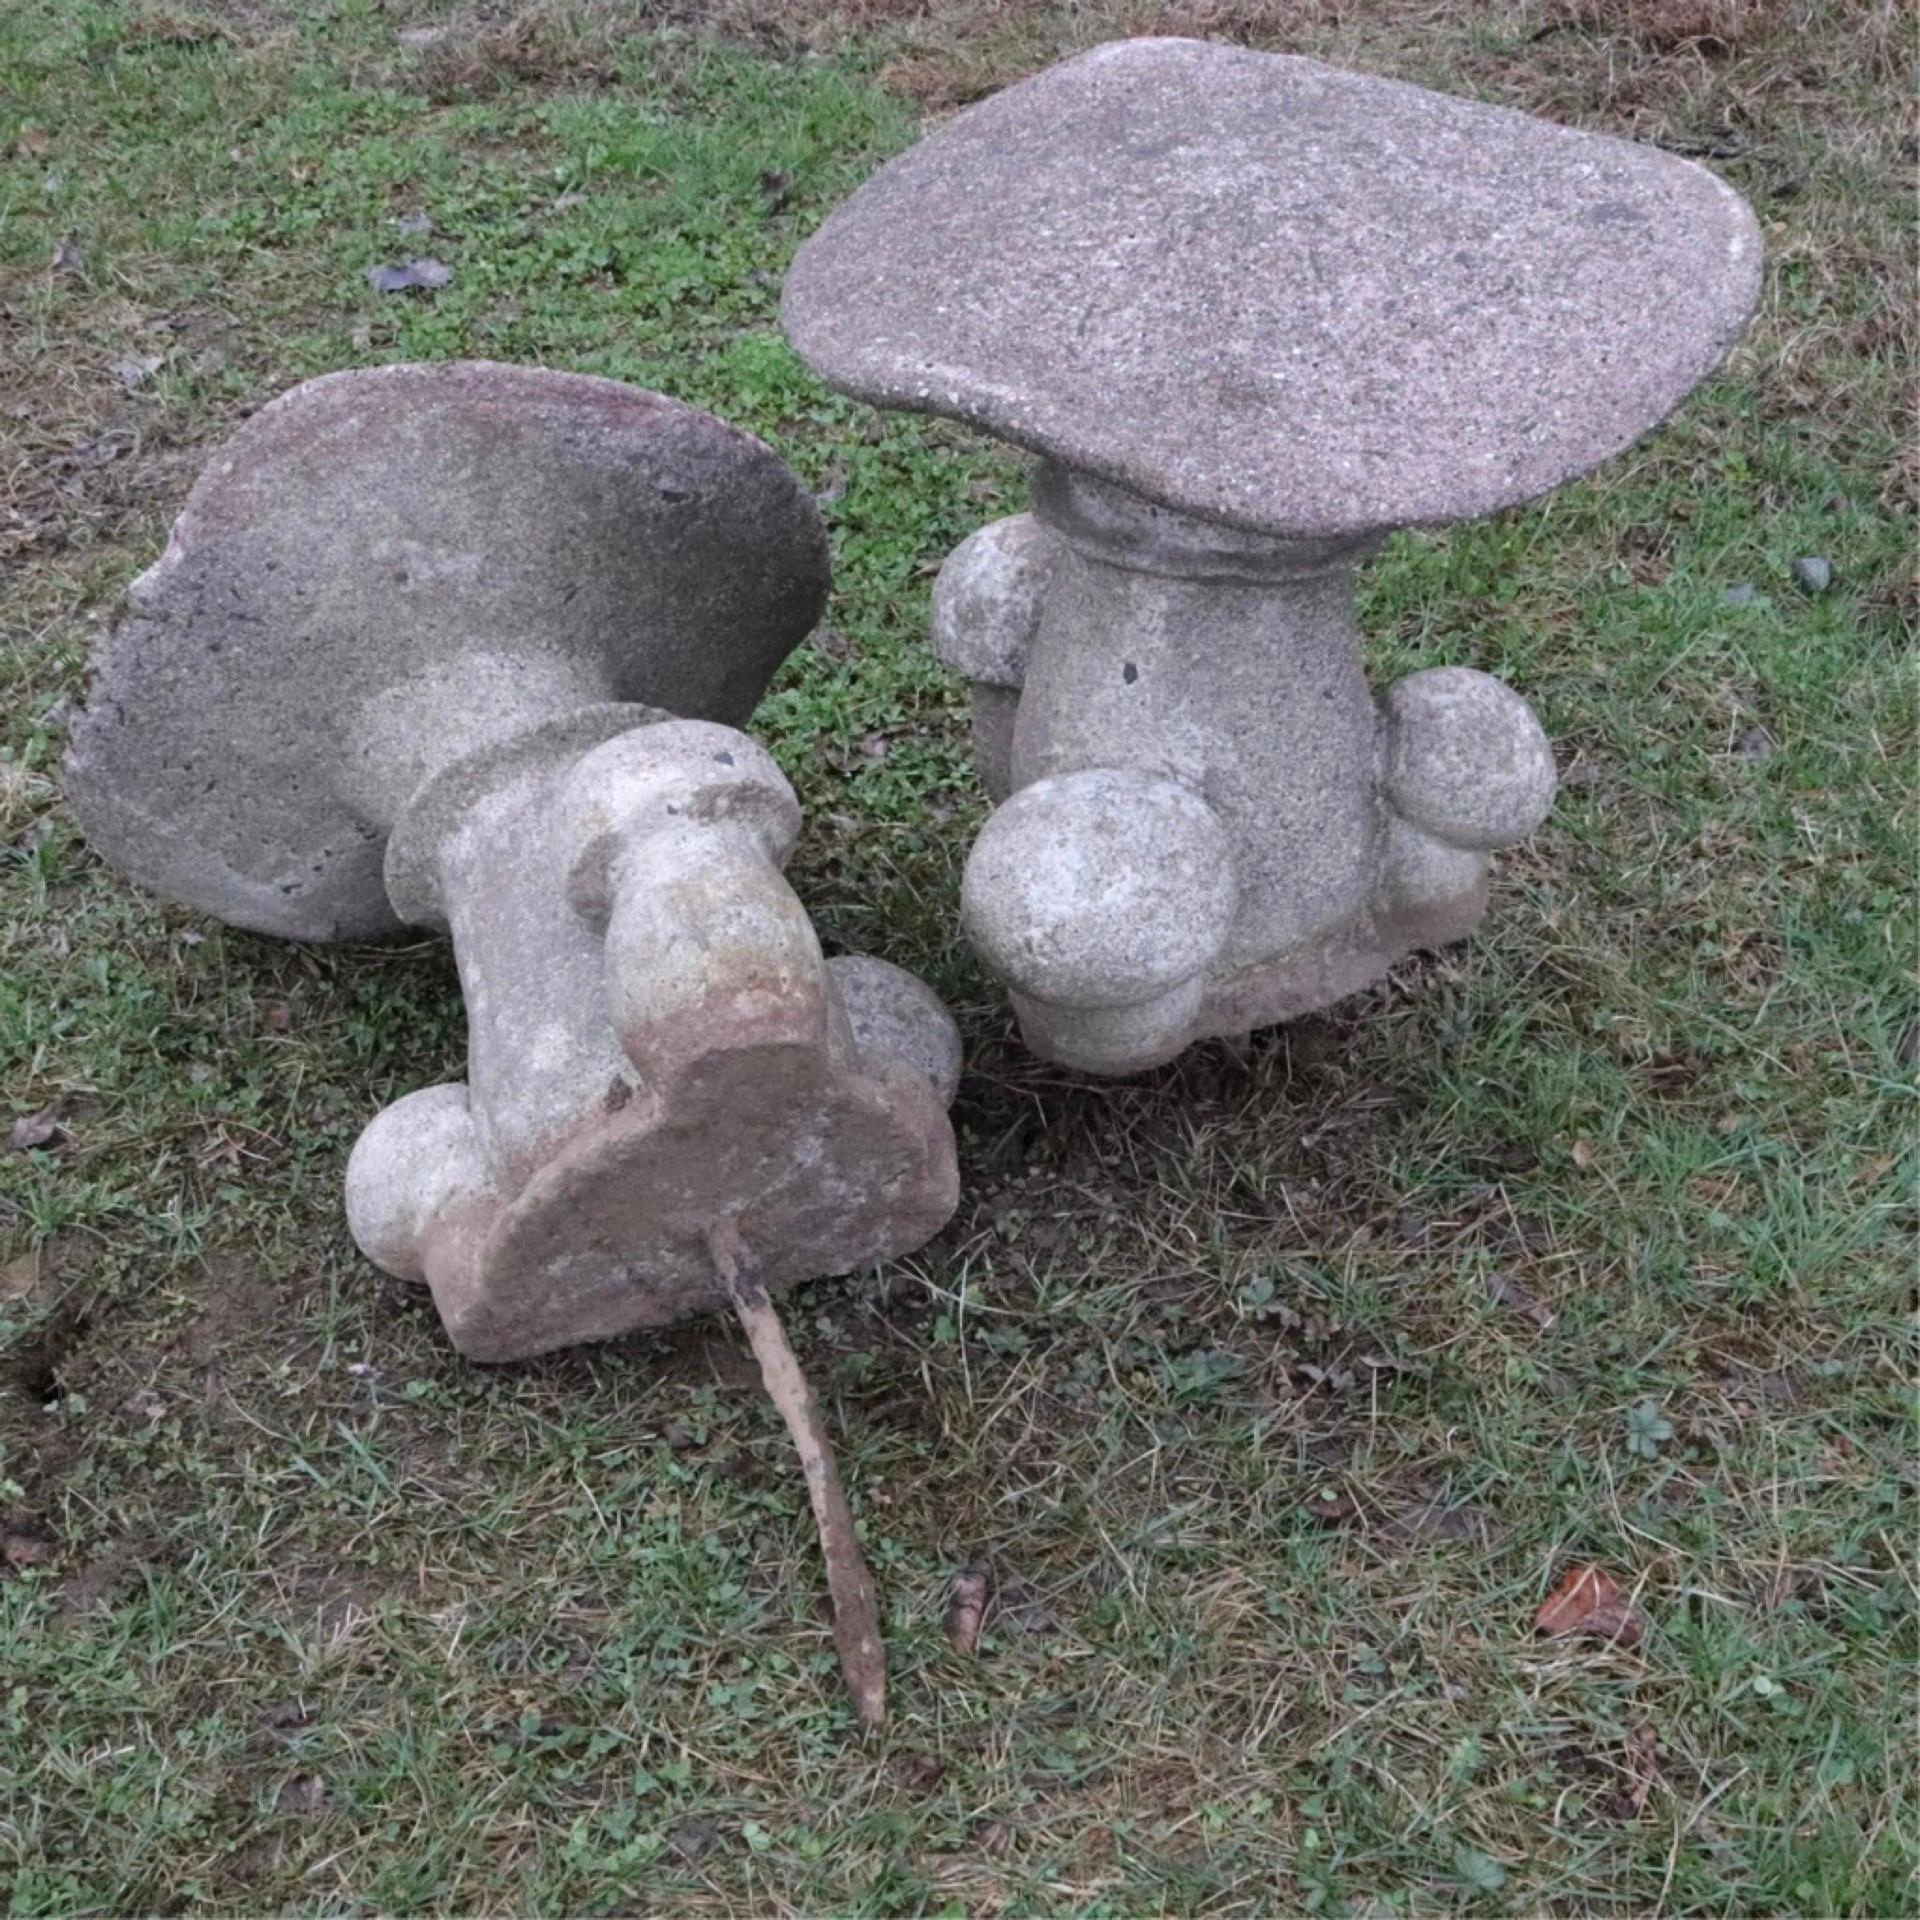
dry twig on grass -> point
(856, 1618)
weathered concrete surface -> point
(1212, 824)
(387, 567)
(656, 1046)
(1276, 295)
(405, 661)
(1252, 312)
(986, 608)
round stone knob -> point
(897, 1018)
(1466, 760)
(416, 1160)
(692, 773)
(1100, 889)
(986, 600)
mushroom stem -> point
(856, 1618)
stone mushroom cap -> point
(467, 526)
(1276, 295)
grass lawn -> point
(1275, 1394)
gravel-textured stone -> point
(1213, 825)
(1252, 312)
(1277, 295)
(1812, 574)
(656, 1048)
(394, 564)
(1467, 763)
(404, 661)
(986, 609)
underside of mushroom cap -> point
(387, 567)
(1276, 295)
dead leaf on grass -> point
(918, 1772)
(69, 256)
(994, 1838)
(1670, 1074)
(18, 1278)
(304, 1793)
(1585, 1154)
(23, 1550)
(134, 370)
(1437, 1519)
(691, 1839)
(1588, 1604)
(967, 1606)
(36, 1130)
(1508, 1292)
(31, 142)
(98, 452)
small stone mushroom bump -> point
(1104, 896)
(987, 597)
(1466, 760)
(986, 610)
(680, 773)
(681, 829)
(897, 1021)
(415, 1163)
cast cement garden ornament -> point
(456, 647)
(1252, 313)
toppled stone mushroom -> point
(655, 1047)
(453, 647)
(387, 569)
(1252, 313)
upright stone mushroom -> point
(1252, 313)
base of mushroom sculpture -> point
(657, 1050)
(1208, 823)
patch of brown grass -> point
(1718, 28)
(173, 27)
(538, 47)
